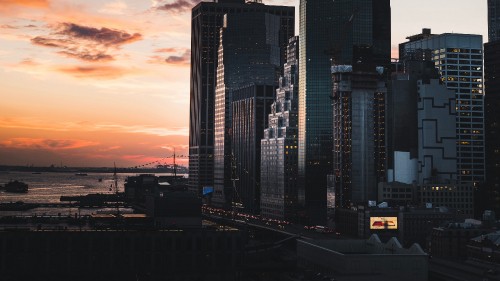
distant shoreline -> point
(4, 168)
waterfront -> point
(48, 187)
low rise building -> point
(368, 259)
(451, 241)
(409, 224)
(485, 247)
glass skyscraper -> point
(250, 108)
(330, 28)
(492, 104)
(206, 21)
(249, 54)
(493, 20)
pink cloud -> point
(47, 144)
(95, 72)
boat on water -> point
(16, 187)
(80, 174)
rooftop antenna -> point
(175, 167)
(115, 178)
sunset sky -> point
(89, 83)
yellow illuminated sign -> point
(383, 223)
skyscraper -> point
(279, 145)
(356, 93)
(459, 59)
(421, 124)
(250, 108)
(249, 54)
(437, 145)
(493, 20)
(492, 103)
(206, 21)
(330, 28)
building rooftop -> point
(371, 246)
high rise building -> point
(402, 116)
(279, 145)
(206, 21)
(437, 146)
(250, 107)
(493, 20)
(330, 28)
(249, 54)
(490, 198)
(356, 120)
(459, 59)
(421, 122)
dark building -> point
(451, 240)
(422, 140)
(249, 54)
(492, 125)
(116, 254)
(137, 188)
(279, 145)
(401, 112)
(251, 107)
(206, 21)
(357, 91)
(330, 29)
(174, 206)
(493, 20)
(485, 248)
(409, 224)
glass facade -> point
(492, 124)
(249, 54)
(493, 20)
(251, 106)
(206, 21)
(330, 28)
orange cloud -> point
(95, 72)
(166, 50)
(48, 144)
(26, 3)
(39, 124)
(173, 148)
(9, 7)
(134, 157)
(107, 149)
(29, 62)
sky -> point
(90, 83)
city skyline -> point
(93, 83)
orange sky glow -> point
(90, 83)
